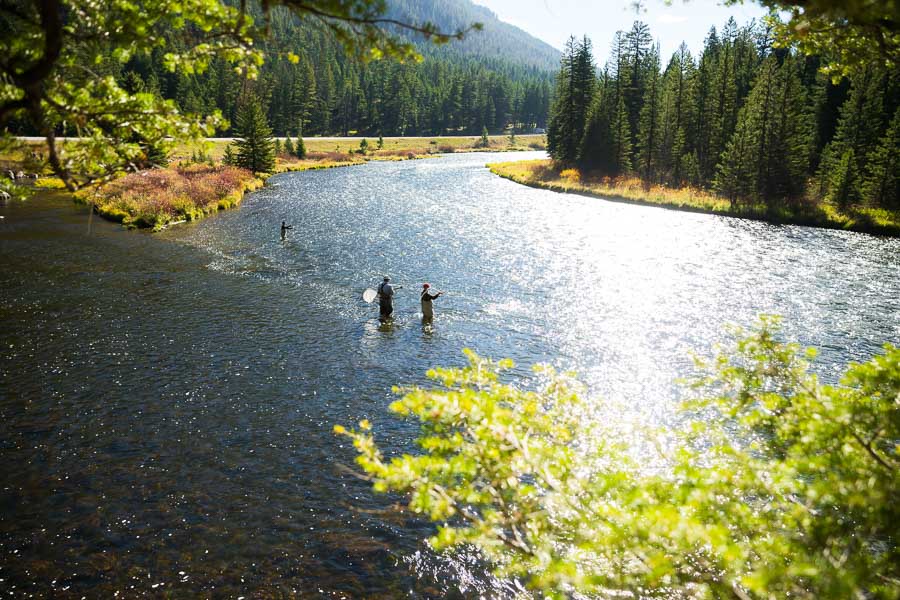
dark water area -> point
(167, 400)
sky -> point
(553, 21)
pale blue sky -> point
(555, 20)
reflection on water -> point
(166, 401)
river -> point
(167, 400)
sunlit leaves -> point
(776, 485)
(60, 67)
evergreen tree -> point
(858, 130)
(484, 142)
(255, 148)
(768, 155)
(636, 74)
(574, 93)
(289, 146)
(228, 157)
(300, 149)
(677, 115)
(881, 184)
(596, 144)
(648, 124)
(621, 139)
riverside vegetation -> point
(748, 129)
(202, 180)
(550, 175)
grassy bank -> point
(187, 191)
(393, 149)
(545, 174)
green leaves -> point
(776, 485)
(60, 71)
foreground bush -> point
(156, 197)
(776, 486)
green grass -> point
(545, 174)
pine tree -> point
(300, 148)
(636, 75)
(677, 115)
(289, 146)
(881, 184)
(255, 148)
(228, 157)
(304, 97)
(648, 124)
(842, 179)
(277, 146)
(859, 129)
(621, 139)
(767, 157)
(484, 142)
(735, 172)
(574, 93)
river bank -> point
(543, 174)
(199, 184)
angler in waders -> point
(386, 298)
(428, 297)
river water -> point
(167, 400)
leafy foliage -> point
(776, 485)
(59, 71)
(854, 34)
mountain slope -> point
(496, 41)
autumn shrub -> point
(155, 197)
(571, 175)
(330, 156)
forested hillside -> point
(496, 39)
(755, 123)
(496, 78)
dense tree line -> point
(755, 123)
(310, 83)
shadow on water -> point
(167, 400)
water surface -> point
(166, 400)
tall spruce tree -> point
(767, 157)
(300, 147)
(677, 115)
(255, 147)
(647, 146)
(881, 184)
(858, 131)
(574, 92)
(601, 146)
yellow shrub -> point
(571, 176)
